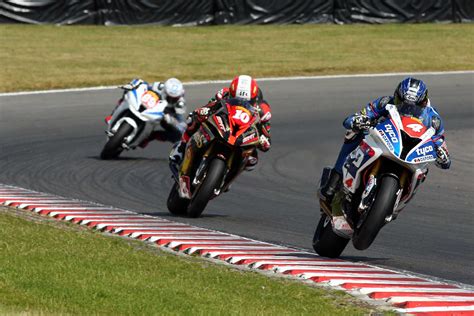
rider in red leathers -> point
(243, 87)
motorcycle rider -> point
(410, 92)
(173, 121)
(243, 87)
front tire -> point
(176, 204)
(326, 243)
(113, 148)
(205, 192)
(375, 219)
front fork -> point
(199, 175)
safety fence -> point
(217, 12)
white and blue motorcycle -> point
(138, 113)
(379, 178)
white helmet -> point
(173, 89)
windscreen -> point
(412, 110)
(243, 103)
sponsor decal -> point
(387, 142)
(220, 123)
(423, 158)
(199, 139)
(249, 137)
(391, 133)
(423, 150)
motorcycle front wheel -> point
(326, 243)
(113, 148)
(375, 219)
(205, 191)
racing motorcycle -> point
(379, 178)
(214, 156)
(138, 113)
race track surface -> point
(51, 142)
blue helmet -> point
(411, 91)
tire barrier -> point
(216, 12)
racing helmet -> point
(411, 97)
(411, 91)
(174, 90)
(244, 87)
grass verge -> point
(56, 268)
(44, 57)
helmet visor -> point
(172, 100)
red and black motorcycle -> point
(215, 155)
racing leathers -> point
(173, 121)
(201, 114)
(359, 122)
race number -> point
(241, 116)
(149, 99)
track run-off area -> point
(404, 293)
(51, 142)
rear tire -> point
(375, 219)
(205, 192)
(113, 148)
(176, 204)
(326, 243)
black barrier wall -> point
(215, 12)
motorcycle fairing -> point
(380, 141)
(414, 127)
(359, 159)
(229, 128)
(389, 131)
(132, 101)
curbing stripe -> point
(402, 292)
(438, 309)
(433, 304)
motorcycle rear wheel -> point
(176, 205)
(113, 148)
(375, 219)
(212, 180)
(326, 242)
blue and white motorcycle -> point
(138, 113)
(379, 178)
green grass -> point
(44, 57)
(54, 268)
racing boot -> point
(328, 190)
(251, 163)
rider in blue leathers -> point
(410, 94)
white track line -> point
(197, 83)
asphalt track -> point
(51, 142)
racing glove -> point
(264, 143)
(221, 93)
(442, 160)
(361, 122)
(132, 84)
(202, 113)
